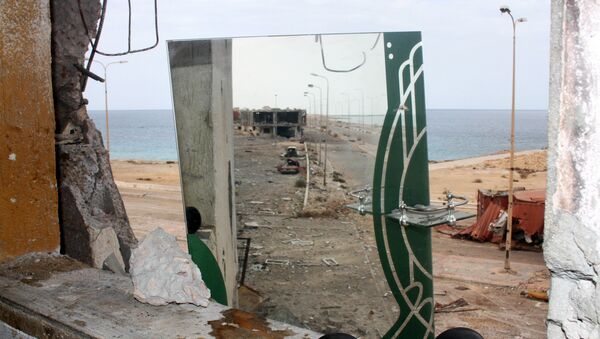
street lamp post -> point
(505, 9)
(372, 111)
(362, 110)
(320, 115)
(326, 128)
(105, 67)
(314, 105)
(348, 101)
(309, 106)
(320, 103)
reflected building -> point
(288, 122)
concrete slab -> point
(92, 303)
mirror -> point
(273, 132)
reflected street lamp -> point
(320, 115)
(314, 105)
(320, 103)
(309, 106)
(105, 67)
(505, 9)
(362, 110)
(348, 100)
(326, 127)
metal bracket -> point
(418, 215)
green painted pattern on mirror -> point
(401, 173)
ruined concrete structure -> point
(28, 198)
(288, 123)
(93, 221)
(572, 234)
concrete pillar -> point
(572, 234)
(93, 220)
(28, 197)
(202, 100)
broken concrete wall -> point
(92, 214)
(572, 234)
(28, 198)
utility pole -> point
(509, 225)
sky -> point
(276, 72)
(467, 47)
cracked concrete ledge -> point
(91, 303)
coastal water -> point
(452, 134)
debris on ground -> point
(338, 177)
(457, 305)
(280, 262)
(162, 273)
(537, 295)
(329, 261)
(298, 242)
(255, 224)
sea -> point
(452, 133)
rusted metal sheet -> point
(528, 214)
(528, 209)
(489, 206)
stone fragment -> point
(104, 246)
(162, 273)
(113, 264)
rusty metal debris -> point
(537, 295)
(528, 215)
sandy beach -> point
(463, 269)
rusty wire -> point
(129, 50)
(96, 40)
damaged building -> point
(287, 123)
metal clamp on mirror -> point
(365, 199)
(429, 216)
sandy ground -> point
(286, 252)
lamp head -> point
(311, 85)
(505, 9)
(522, 20)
